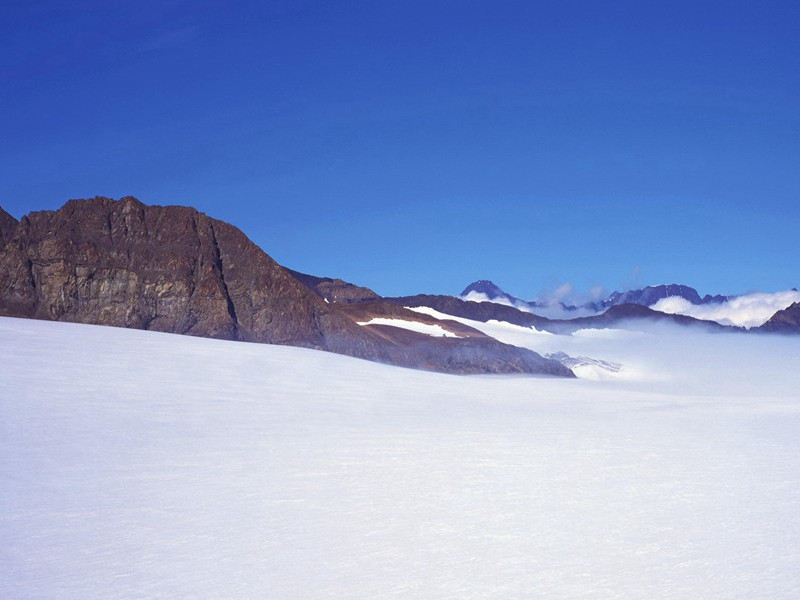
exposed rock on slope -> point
(174, 269)
(784, 321)
(161, 268)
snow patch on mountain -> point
(427, 329)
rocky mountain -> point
(615, 316)
(784, 321)
(491, 291)
(646, 296)
(174, 269)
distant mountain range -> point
(646, 296)
(173, 269)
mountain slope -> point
(615, 316)
(784, 321)
(334, 290)
(174, 269)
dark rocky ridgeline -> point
(784, 321)
(334, 290)
(467, 309)
(647, 296)
(615, 316)
(174, 269)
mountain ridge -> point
(177, 270)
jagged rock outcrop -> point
(784, 321)
(174, 269)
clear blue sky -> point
(417, 146)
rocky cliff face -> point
(162, 268)
(174, 269)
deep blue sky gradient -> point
(417, 146)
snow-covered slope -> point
(137, 464)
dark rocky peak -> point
(334, 290)
(484, 286)
(491, 291)
(784, 321)
(8, 225)
(649, 295)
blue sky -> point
(417, 146)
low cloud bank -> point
(748, 311)
(549, 307)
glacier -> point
(138, 464)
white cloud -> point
(550, 304)
(748, 311)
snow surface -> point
(144, 465)
(433, 330)
(750, 310)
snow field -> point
(137, 464)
